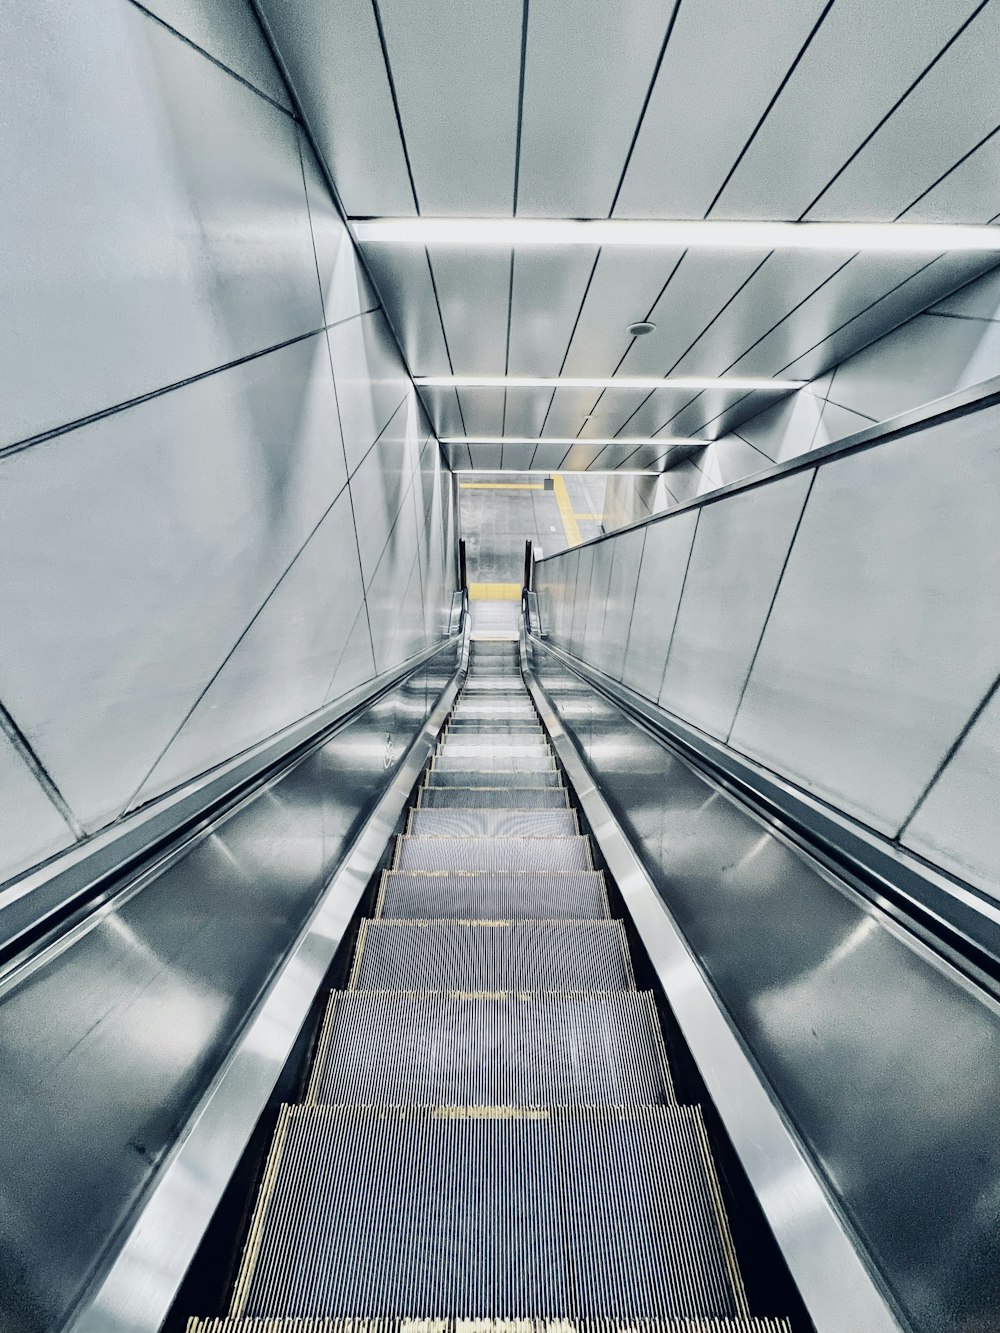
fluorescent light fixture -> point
(733, 382)
(557, 472)
(668, 441)
(897, 237)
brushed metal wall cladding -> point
(150, 996)
(505, 895)
(543, 1049)
(884, 1059)
(649, 1239)
(512, 956)
(183, 251)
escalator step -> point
(492, 798)
(496, 727)
(492, 853)
(575, 895)
(400, 1049)
(475, 747)
(485, 823)
(480, 957)
(332, 1324)
(485, 761)
(490, 1212)
(466, 777)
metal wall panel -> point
(344, 285)
(884, 1059)
(858, 65)
(690, 140)
(739, 552)
(31, 828)
(593, 643)
(877, 650)
(956, 826)
(381, 483)
(283, 666)
(622, 593)
(229, 31)
(456, 69)
(403, 273)
(657, 597)
(334, 59)
(154, 217)
(371, 381)
(137, 550)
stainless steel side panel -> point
(886, 1062)
(109, 1039)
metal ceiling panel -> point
(548, 287)
(579, 457)
(547, 457)
(695, 295)
(402, 274)
(973, 184)
(456, 69)
(861, 61)
(332, 52)
(457, 456)
(944, 117)
(592, 71)
(229, 31)
(858, 286)
(569, 407)
(776, 288)
(486, 457)
(526, 411)
(625, 284)
(482, 411)
(517, 457)
(945, 274)
(691, 135)
(473, 287)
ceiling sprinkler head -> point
(640, 328)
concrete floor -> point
(498, 512)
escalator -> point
(490, 1134)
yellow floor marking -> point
(494, 592)
(501, 486)
(570, 526)
(591, 518)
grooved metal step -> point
(492, 798)
(565, 1213)
(576, 895)
(454, 747)
(397, 1048)
(508, 726)
(491, 957)
(565, 853)
(483, 762)
(441, 778)
(486, 823)
(335, 1324)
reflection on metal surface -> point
(882, 1057)
(130, 1071)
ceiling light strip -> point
(741, 383)
(849, 237)
(661, 441)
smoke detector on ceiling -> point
(640, 327)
